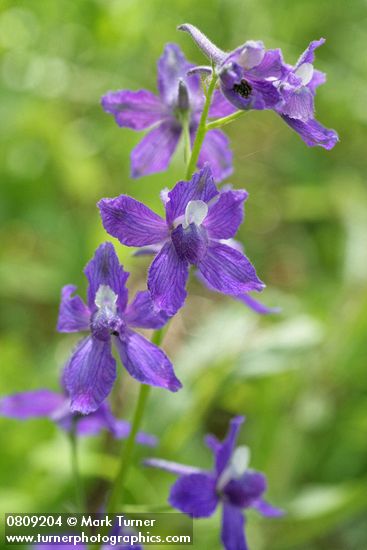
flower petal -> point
(172, 67)
(256, 306)
(142, 312)
(299, 104)
(154, 152)
(131, 222)
(247, 490)
(220, 106)
(308, 56)
(228, 270)
(216, 152)
(74, 315)
(233, 523)
(95, 422)
(122, 430)
(195, 494)
(172, 467)
(103, 419)
(272, 66)
(31, 404)
(167, 278)
(318, 78)
(89, 375)
(146, 362)
(200, 187)
(267, 510)
(136, 110)
(225, 214)
(105, 269)
(313, 133)
(223, 450)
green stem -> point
(128, 451)
(224, 120)
(187, 140)
(126, 457)
(202, 128)
(79, 493)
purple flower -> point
(298, 92)
(248, 75)
(199, 221)
(56, 406)
(252, 77)
(91, 370)
(180, 96)
(230, 484)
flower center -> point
(305, 73)
(105, 320)
(252, 55)
(237, 466)
(105, 301)
(196, 212)
(244, 89)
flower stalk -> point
(202, 128)
(224, 120)
(79, 491)
(127, 455)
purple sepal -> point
(225, 214)
(74, 315)
(200, 187)
(313, 133)
(245, 491)
(167, 278)
(136, 110)
(31, 404)
(172, 467)
(146, 362)
(154, 152)
(89, 374)
(267, 510)
(257, 306)
(224, 450)
(216, 152)
(105, 269)
(233, 523)
(142, 312)
(195, 495)
(173, 68)
(219, 106)
(228, 270)
(131, 222)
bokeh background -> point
(299, 377)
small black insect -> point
(243, 89)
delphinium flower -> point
(231, 484)
(180, 101)
(252, 77)
(91, 370)
(45, 403)
(199, 221)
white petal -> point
(195, 212)
(237, 466)
(106, 300)
(240, 461)
(305, 73)
(252, 54)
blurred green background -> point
(299, 377)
